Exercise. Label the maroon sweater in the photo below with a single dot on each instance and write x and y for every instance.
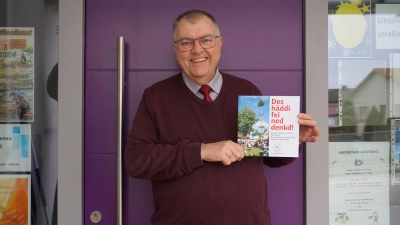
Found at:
(164, 146)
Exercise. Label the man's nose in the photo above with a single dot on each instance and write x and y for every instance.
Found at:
(197, 47)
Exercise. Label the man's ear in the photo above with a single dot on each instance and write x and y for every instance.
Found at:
(220, 43)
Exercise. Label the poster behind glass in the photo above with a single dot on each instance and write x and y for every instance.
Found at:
(359, 183)
(15, 147)
(364, 108)
(15, 199)
(16, 74)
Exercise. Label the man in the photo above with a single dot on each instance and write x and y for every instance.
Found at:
(187, 146)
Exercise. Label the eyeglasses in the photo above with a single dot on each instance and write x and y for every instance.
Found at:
(186, 44)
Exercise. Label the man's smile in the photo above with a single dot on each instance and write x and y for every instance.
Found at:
(198, 60)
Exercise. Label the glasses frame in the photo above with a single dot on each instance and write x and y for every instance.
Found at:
(194, 39)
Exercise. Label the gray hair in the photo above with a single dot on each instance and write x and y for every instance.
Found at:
(193, 16)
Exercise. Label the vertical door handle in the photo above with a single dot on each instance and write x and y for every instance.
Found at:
(121, 54)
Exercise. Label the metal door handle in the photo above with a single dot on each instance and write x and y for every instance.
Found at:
(121, 54)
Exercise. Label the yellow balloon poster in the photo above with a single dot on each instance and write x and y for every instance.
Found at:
(349, 29)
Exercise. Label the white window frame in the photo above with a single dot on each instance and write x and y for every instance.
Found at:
(70, 112)
(316, 104)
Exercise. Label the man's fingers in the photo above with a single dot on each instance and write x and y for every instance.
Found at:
(225, 152)
(238, 152)
(309, 129)
(317, 131)
(310, 123)
(312, 139)
(305, 116)
(306, 119)
(232, 157)
(233, 152)
(226, 160)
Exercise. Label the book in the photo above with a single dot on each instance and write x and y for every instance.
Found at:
(268, 125)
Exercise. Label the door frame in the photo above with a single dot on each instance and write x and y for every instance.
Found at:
(70, 112)
(316, 93)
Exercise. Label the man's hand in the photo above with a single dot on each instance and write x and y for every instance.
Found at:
(225, 152)
(309, 130)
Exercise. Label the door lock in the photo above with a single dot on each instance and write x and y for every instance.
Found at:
(95, 217)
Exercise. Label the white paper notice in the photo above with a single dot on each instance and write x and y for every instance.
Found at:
(15, 147)
(359, 183)
(387, 26)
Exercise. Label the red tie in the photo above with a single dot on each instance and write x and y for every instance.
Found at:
(205, 90)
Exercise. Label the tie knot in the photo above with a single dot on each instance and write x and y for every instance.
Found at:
(205, 90)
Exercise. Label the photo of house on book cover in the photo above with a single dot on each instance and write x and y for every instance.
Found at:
(268, 125)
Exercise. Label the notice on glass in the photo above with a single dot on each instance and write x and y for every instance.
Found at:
(16, 74)
(15, 199)
(349, 29)
(15, 147)
(387, 26)
(268, 125)
(359, 183)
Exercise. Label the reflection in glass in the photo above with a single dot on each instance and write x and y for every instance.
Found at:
(32, 107)
(364, 107)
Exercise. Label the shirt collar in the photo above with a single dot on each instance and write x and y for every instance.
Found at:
(215, 83)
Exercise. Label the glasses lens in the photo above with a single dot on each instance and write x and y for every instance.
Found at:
(207, 41)
(185, 44)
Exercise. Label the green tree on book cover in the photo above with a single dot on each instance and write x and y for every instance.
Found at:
(246, 120)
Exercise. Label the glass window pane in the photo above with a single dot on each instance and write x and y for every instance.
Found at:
(28, 111)
(364, 113)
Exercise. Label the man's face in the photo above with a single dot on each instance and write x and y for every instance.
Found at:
(199, 64)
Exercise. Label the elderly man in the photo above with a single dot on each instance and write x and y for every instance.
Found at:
(184, 134)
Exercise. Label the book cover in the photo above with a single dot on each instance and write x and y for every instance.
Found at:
(268, 125)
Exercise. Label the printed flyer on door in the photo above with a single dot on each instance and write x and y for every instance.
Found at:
(16, 74)
(359, 183)
(15, 147)
(15, 199)
(268, 125)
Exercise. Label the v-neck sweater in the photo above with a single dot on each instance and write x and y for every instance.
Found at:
(164, 145)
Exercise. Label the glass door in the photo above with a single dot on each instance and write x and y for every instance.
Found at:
(28, 111)
(364, 111)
